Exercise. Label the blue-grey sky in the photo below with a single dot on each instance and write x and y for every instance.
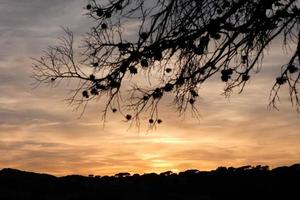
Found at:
(39, 132)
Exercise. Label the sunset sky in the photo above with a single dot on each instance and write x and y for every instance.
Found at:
(39, 132)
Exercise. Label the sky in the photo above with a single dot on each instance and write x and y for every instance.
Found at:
(39, 132)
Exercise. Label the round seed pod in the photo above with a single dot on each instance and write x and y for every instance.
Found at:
(180, 81)
(89, 7)
(192, 101)
(94, 91)
(199, 50)
(104, 26)
(292, 68)
(144, 35)
(158, 56)
(144, 63)
(225, 78)
(194, 93)
(85, 94)
(92, 77)
(157, 93)
(115, 84)
(168, 87)
(133, 70)
(168, 70)
(128, 117)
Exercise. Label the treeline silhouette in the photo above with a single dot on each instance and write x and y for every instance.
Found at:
(245, 182)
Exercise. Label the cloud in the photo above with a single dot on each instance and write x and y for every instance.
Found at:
(25, 15)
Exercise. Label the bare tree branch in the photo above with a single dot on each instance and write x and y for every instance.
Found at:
(174, 46)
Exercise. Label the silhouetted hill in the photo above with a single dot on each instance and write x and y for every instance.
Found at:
(223, 183)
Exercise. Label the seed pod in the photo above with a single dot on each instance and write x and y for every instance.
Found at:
(227, 72)
(115, 84)
(157, 93)
(180, 81)
(145, 98)
(85, 94)
(89, 7)
(124, 66)
(92, 77)
(281, 80)
(199, 50)
(133, 70)
(202, 71)
(144, 63)
(292, 68)
(225, 78)
(135, 56)
(194, 93)
(94, 91)
(192, 101)
(158, 56)
(168, 87)
(168, 70)
(104, 26)
(128, 117)
(144, 35)
(100, 87)
(224, 72)
(245, 77)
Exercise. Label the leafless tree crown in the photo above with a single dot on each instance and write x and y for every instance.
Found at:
(172, 46)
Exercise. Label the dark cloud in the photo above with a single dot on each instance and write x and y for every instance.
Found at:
(17, 15)
(27, 27)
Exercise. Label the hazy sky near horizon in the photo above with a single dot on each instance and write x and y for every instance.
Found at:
(39, 132)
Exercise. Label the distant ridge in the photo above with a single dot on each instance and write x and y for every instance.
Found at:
(244, 182)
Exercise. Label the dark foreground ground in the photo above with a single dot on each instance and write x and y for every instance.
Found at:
(224, 183)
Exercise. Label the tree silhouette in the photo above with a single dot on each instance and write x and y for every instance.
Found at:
(172, 46)
(247, 182)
